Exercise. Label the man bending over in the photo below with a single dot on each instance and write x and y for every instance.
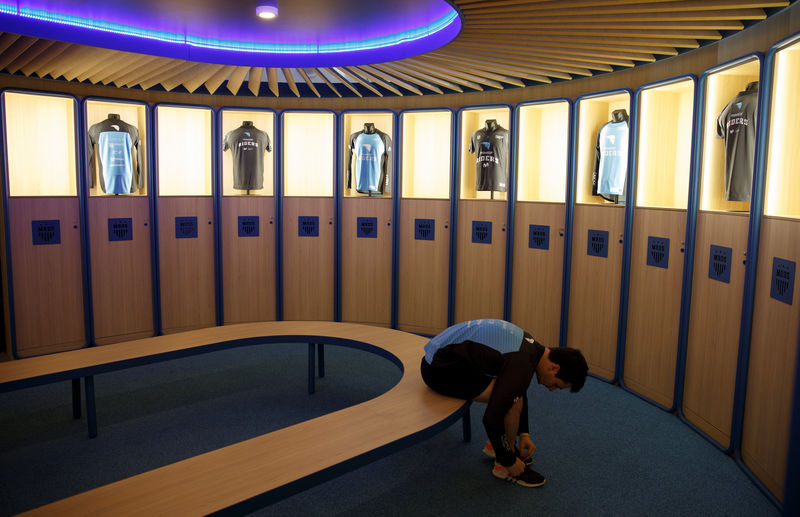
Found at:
(494, 361)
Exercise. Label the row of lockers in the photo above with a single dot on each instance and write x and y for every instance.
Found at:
(683, 299)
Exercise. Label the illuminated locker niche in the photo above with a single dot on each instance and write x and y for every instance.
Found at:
(665, 145)
(263, 121)
(51, 119)
(426, 158)
(769, 397)
(128, 113)
(542, 146)
(543, 152)
(782, 196)
(473, 120)
(718, 280)
(424, 233)
(721, 88)
(593, 114)
(184, 151)
(308, 140)
(367, 122)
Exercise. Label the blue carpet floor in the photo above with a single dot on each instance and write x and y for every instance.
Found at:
(604, 451)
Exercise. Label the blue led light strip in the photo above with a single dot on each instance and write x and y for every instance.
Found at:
(236, 46)
(88, 23)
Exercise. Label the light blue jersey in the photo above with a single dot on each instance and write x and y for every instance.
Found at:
(498, 334)
(613, 167)
(116, 171)
(115, 156)
(369, 150)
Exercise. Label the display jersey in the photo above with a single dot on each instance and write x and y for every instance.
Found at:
(737, 125)
(490, 146)
(116, 141)
(372, 150)
(247, 144)
(611, 161)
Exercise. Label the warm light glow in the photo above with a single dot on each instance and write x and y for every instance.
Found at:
(267, 11)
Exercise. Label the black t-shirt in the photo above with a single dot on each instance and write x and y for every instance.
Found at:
(248, 145)
(490, 146)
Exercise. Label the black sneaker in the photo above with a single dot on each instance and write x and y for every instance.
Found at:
(489, 451)
(528, 478)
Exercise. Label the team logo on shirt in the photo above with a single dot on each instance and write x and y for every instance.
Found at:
(612, 139)
(486, 145)
(116, 127)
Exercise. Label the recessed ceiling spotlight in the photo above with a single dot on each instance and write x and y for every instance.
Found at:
(267, 9)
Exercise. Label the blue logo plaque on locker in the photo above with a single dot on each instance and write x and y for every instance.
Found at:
(539, 237)
(120, 229)
(367, 227)
(248, 226)
(481, 232)
(308, 225)
(719, 263)
(424, 229)
(597, 243)
(46, 232)
(658, 252)
(782, 288)
(186, 227)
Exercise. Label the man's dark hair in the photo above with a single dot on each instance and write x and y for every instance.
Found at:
(572, 366)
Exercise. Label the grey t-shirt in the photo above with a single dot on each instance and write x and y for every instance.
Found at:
(737, 125)
(247, 145)
(490, 146)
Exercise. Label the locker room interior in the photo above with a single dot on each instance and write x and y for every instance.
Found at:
(678, 295)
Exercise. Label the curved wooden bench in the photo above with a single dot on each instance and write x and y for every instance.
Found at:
(250, 474)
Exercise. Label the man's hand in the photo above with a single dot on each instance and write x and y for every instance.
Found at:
(526, 447)
(517, 468)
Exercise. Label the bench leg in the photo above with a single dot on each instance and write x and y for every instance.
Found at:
(321, 359)
(76, 398)
(91, 414)
(311, 369)
(466, 423)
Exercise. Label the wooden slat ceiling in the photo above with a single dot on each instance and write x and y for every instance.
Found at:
(503, 43)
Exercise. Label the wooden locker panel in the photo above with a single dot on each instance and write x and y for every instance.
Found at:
(308, 261)
(47, 279)
(654, 306)
(594, 288)
(248, 260)
(712, 348)
(538, 273)
(423, 267)
(773, 349)
(480, 267)
(367, 261)
(187, 274)
(122, 273)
